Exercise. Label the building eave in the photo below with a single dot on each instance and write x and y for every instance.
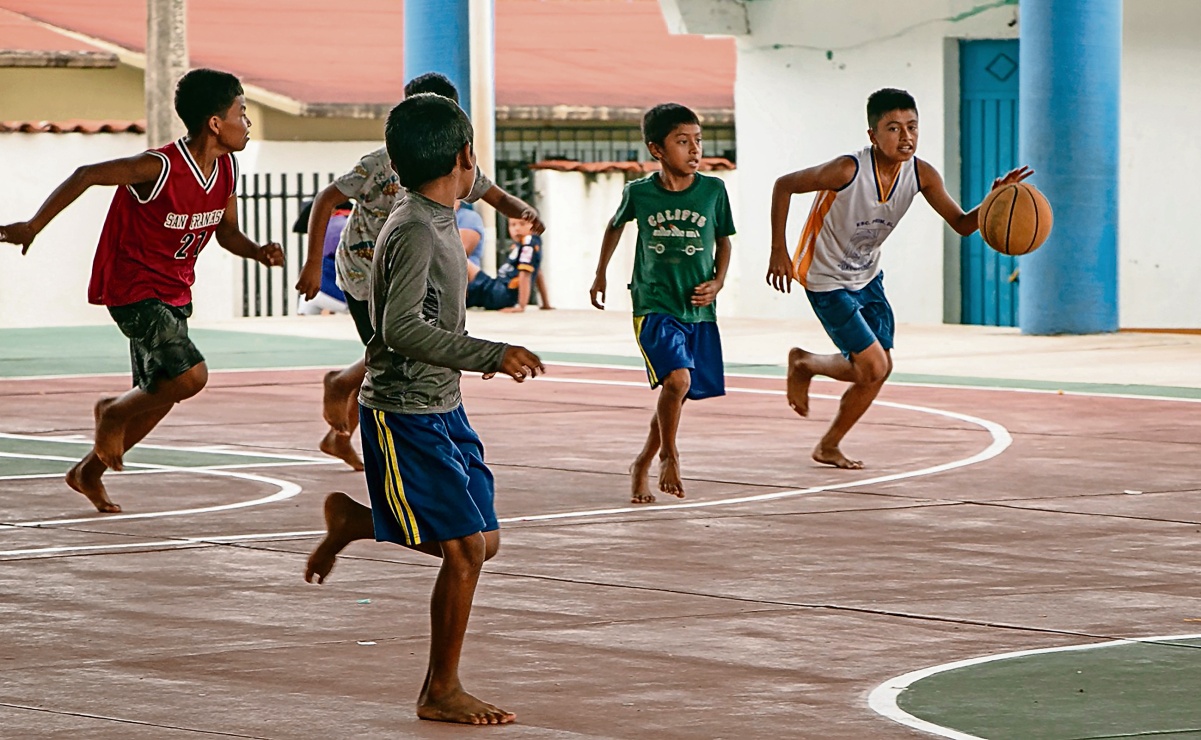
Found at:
(58, 59)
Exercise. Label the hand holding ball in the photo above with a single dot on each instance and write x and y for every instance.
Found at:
(1015, 218)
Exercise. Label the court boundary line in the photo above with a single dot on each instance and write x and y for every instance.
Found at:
(602, 366)
(1000, 441)
(883, 698)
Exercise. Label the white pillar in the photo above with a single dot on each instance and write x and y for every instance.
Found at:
(166, 62)
(483, 111)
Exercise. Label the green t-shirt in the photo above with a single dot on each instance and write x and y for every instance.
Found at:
(677, 243)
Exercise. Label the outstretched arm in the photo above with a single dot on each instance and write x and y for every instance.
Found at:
(514, 207)
(142, 169)
(944, 205)
(230, 237)
(309, 282)
(608, 247)
(833, 175)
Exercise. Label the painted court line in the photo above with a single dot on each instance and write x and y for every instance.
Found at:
(256, 466)
(568, 363)
(287, 490)
(1000, 440)
(919, 384)
(883, 699)
(77, 439)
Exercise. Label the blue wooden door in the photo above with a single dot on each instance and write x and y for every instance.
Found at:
(988, 130)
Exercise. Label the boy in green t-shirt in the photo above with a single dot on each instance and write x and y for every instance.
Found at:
(684, 228)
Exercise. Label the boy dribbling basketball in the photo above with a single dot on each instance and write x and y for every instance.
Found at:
(861, 198)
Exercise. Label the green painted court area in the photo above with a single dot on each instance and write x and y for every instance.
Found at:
(1125, 690)
(93, 350)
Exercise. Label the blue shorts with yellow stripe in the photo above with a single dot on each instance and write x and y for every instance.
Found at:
(669, 344)
(426, 476)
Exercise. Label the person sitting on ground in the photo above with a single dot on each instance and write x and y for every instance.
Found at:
(510, 290)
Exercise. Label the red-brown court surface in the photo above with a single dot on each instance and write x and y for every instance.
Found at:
(764, 618)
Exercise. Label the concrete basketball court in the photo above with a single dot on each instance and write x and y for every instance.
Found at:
(1022, 494)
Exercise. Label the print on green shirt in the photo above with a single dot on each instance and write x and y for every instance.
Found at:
(677, 243)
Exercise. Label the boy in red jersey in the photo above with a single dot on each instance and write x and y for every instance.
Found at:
(169, 203)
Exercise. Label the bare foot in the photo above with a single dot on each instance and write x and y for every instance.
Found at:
(669, 476)
(337, 444)
(92, 488)
(833, 456)
(463, 708)
(109, 442)
(798, 381)
(640, 487)
(340, 509)
(333, 406)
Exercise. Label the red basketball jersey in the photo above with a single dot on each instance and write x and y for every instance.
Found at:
(148, 247)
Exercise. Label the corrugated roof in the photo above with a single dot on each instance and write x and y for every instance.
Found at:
(549, 53)
(708, 164)
(73, 127)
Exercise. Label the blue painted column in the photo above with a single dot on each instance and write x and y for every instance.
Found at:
(1070, 67)
(437, 39)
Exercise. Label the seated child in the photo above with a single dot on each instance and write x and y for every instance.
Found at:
(509, 291)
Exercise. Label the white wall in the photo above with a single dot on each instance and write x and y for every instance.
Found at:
(288, 157)
(576, 209)
(48, 287)
(804, 74)
(1159, 256)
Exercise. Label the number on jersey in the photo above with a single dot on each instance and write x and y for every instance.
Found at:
(198, 238)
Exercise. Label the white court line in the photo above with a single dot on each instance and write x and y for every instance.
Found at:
(287, 490)
(883, 698)
(36, 476)
(932, 384)
(1001, 440)
(568, 363)
(76, 439)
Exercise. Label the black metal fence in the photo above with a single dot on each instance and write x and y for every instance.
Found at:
(269, 206)
(271, 203)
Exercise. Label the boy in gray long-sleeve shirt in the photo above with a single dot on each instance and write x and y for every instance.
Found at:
(430, 489)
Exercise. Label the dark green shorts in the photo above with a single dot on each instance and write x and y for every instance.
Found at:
(159, 347)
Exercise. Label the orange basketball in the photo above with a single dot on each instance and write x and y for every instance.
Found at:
(1015, 219)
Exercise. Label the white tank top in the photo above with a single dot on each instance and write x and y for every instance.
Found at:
(840, 245)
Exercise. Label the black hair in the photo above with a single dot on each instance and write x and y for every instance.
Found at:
(888, 99)
(425, 134)
(202, 94)
(658, 122)
(432, 82)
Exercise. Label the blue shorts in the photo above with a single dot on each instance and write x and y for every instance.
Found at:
(426, 476)
(855, 319)
(490, 293)
(669, 344)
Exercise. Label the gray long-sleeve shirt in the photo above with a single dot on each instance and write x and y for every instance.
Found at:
(417, 301)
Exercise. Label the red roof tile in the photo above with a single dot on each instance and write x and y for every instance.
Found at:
(586, 53)
(708, 164)
(73, 127)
